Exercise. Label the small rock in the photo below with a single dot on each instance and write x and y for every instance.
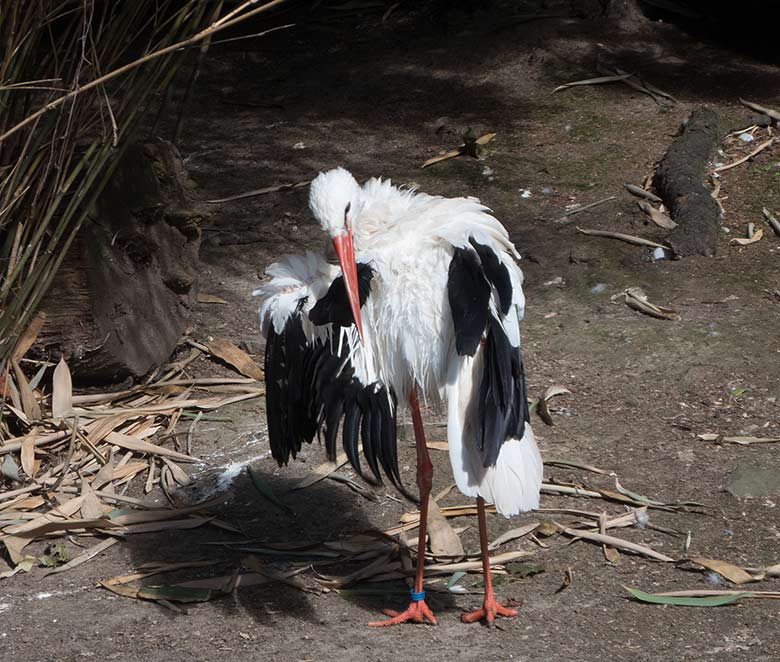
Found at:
(746, 137)
(598, 288)
(660, 254)
(299, 146)
(748, 480)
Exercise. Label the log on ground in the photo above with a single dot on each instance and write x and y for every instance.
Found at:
(679, 180)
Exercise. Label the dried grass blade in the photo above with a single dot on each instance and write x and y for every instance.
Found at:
(755, 152)
(773, 222)
(615, 542)
(769, 112)
(140, 446)
(451, 154)
(260, 191)
(631, 239)
(321, 471)
(599, 80)
(474, 566)
(564, 218)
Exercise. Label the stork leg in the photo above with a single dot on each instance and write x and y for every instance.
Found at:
(417, 611)
(490, 607)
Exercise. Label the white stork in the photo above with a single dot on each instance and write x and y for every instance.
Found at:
(427, 300)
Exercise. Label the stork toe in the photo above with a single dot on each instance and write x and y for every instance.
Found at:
(488, 612)
(416, 612)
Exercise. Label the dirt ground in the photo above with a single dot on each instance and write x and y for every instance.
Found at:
(379, 99)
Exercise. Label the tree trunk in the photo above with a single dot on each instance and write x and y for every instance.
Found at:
(125, 291)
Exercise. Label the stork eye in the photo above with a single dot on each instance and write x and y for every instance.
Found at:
(346, 215)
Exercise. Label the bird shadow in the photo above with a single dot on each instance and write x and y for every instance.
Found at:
(321, 512)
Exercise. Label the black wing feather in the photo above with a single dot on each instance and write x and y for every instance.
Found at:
(496, 273)
(502, 408)
(334, 306)
(468, 292)
(311, 388)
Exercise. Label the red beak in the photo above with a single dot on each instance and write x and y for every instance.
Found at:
(345, 250)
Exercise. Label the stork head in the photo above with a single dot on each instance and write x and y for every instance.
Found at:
(334, 199)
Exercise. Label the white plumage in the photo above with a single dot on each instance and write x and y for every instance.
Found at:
(434, 309)
(409, 239)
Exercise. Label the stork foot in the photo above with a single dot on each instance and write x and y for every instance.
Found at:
(488, 612)
(416, 612)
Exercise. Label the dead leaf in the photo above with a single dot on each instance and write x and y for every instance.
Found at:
(656, 216)
(733, 573)
(62, 391)
(541, 406)
(568, 579)
(513, 534)
(443, 540)
(744, 241)
(179, 475)
(471, 147)
(438, 445)
(28, 455)
(91, 508)
(27, 339)
(642, 193)
(237, 358)
(210, 298)
(635, 298)
(29, 402)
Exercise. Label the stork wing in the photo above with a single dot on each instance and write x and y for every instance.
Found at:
(317, 372)
(486, 300)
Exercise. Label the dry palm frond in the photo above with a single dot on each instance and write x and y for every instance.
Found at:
(75, 79)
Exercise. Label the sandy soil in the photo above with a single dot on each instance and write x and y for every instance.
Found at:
(380, 99)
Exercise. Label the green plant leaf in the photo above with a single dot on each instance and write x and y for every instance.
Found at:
(686, 601)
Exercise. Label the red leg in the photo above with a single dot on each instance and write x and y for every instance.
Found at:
(490, 607)
(417, 611)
